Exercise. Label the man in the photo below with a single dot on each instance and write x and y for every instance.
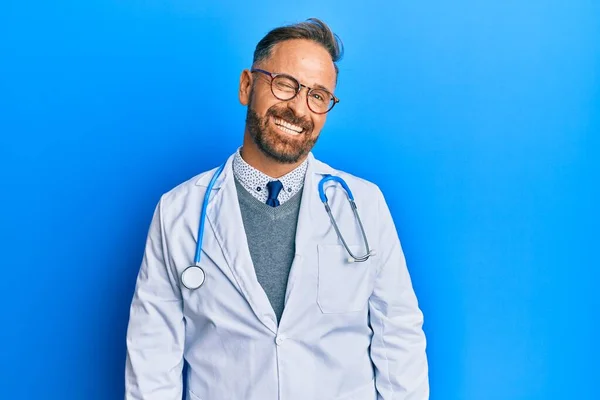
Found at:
(280, 312)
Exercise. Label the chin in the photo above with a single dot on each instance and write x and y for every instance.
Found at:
(282, 153)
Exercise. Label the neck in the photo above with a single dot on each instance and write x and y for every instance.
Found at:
(257, 159)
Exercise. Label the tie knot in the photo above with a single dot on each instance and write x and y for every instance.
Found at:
(274, 188)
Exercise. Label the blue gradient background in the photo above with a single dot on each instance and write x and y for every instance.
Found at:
(479, 120)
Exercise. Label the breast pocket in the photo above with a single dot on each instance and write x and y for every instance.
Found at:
(344, 287)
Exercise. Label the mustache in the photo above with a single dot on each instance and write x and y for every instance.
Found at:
(289, 116)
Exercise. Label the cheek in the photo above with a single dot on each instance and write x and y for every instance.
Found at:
(261, 103)
(319, 122)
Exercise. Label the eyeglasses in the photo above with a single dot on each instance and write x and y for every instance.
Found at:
(286, 87)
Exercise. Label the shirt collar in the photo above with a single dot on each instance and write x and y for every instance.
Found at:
(255, 181)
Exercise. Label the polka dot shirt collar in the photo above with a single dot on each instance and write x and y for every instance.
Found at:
(255, 182)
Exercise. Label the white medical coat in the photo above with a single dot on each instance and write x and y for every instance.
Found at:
(350, 331)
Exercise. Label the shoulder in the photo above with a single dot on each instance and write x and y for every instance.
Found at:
(356, 183)
(187, 191)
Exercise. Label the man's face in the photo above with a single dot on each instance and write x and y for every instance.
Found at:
(286, 131)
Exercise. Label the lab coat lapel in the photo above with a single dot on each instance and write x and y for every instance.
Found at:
(311, 208)
(225, 219)
(312, 226)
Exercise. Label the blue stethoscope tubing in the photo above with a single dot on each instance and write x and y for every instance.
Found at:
(323, 197)
(194, 276)
(203, 215)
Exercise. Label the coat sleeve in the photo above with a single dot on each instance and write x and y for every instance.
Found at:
(155, 333)
(398, 342)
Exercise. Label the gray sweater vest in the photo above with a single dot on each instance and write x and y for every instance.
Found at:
(271, 234)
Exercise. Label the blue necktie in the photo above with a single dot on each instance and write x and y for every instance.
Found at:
(274, 188)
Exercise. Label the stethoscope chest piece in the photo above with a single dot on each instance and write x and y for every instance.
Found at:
(193, 277)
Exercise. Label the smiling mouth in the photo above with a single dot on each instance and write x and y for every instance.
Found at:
(286, 127)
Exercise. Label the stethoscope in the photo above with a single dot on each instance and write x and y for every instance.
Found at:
(194, 276)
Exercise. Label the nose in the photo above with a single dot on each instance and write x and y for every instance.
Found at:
(299, 103)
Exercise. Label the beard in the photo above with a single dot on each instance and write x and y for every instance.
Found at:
(284, 149)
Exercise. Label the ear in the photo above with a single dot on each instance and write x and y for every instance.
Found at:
(245, 87)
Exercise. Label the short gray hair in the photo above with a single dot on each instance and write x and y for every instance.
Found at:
(312, 29)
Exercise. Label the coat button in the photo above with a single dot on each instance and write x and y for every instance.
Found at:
(279, 339)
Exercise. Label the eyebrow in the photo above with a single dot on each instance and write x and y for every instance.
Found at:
(319, 86)
(315, 86)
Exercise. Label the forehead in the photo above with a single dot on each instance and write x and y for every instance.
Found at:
(306, 60)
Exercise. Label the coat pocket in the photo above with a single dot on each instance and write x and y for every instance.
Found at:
(344, 287)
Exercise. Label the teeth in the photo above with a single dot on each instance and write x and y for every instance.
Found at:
(288, 127)
(288, 130)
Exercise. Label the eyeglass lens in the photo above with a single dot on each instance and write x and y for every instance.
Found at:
(285, 88)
